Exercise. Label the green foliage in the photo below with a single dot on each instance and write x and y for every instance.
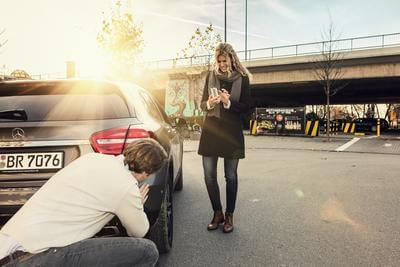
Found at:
(120, 37)
(201, 43)
(20, 74)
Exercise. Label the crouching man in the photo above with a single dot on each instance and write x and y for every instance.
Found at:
(55, 226)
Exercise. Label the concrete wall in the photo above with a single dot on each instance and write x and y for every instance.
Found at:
(353, 72)
(371, 63)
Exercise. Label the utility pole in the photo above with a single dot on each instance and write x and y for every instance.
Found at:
(245, 34)
(225, 24)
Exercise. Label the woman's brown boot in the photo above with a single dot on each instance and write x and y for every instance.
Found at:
(228, 225)
(217, 219)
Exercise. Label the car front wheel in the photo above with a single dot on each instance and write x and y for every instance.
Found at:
(162, 231)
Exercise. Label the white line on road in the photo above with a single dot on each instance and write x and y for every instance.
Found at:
(348, 144)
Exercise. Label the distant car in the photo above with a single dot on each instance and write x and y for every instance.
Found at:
(370, 125)
(45, 125)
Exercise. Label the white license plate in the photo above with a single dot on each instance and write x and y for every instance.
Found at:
(14, 162)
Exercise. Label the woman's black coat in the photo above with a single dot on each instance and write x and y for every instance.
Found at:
(223, 137)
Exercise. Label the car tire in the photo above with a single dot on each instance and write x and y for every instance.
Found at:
(162, 231)
(179, 182)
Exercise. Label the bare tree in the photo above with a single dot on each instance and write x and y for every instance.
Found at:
(328, 68)
(388, 109)
(357, 109)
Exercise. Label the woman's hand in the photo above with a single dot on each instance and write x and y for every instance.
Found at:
(213, 100)
(224, 96)
(144, 190)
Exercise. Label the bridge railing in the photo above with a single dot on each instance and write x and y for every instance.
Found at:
(340, 45)
(49, 76)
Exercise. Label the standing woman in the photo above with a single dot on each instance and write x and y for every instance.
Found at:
(222, 133)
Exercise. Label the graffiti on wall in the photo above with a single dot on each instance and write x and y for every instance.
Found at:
(183, 97)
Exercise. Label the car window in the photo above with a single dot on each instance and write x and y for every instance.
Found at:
(66, 102)
(151, 107)
(164, 116)
(161, 110)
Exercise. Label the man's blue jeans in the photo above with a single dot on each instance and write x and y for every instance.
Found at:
(113, 251)
(231, 178)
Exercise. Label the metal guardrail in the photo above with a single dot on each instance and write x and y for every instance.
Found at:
(340, 45)
(49, 76)
(45, 76)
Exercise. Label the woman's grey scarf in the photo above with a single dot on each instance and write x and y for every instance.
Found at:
(214, 81)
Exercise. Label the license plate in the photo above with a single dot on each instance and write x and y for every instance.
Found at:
(14, 162)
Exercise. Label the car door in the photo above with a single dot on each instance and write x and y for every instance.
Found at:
(169, 134)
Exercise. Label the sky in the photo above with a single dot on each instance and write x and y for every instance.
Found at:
(42, 35)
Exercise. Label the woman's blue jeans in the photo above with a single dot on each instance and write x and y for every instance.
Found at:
(231, 178)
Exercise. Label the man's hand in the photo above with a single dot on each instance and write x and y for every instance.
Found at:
(144, 190)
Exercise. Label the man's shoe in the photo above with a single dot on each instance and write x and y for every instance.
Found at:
(217, 219)
(228, 225)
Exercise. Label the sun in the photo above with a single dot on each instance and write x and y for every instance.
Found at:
(92, 64)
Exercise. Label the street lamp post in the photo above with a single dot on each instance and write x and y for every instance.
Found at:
(245, 34)
(225, 23)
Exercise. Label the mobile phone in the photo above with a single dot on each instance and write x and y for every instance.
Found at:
(214, 91)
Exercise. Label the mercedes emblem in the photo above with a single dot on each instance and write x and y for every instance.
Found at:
(18, 134)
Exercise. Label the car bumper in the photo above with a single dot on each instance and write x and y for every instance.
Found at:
(12, 199)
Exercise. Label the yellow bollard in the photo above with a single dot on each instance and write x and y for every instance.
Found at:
(378, 128)
(315, 128)
(308, 125)
(346, 127)
(353, 127)
(254, 128)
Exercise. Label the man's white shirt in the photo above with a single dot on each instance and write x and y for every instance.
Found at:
(75, 204)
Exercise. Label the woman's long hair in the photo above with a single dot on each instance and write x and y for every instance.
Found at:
(234, 63)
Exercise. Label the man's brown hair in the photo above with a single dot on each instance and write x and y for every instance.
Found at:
(144, 155)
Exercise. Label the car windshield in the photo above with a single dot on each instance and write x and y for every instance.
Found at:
(64, 101)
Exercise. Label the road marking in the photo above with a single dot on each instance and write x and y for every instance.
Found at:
(347, 145)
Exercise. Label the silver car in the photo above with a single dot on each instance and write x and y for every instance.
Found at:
(45, 125)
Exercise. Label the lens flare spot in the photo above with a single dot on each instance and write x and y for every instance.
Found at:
(299, 193)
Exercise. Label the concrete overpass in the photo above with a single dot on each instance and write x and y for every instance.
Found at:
(372, 76)
(283, 76)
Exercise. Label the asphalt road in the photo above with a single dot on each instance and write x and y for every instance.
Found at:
(294, 208)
